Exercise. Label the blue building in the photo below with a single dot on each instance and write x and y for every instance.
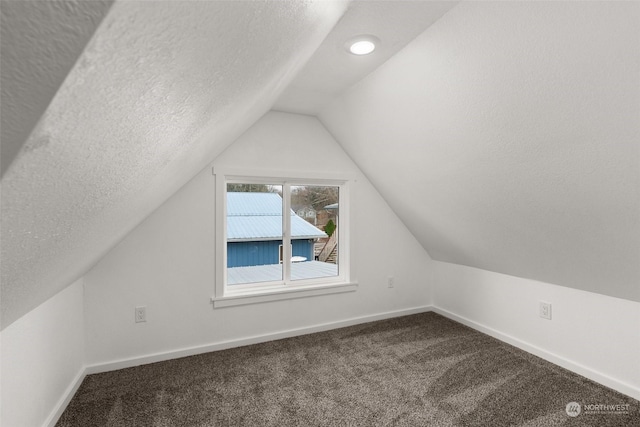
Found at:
(254, 231)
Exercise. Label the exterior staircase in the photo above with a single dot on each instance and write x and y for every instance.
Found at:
(329, 252)
(333, 256)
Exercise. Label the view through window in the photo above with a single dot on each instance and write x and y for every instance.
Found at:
(259, 251)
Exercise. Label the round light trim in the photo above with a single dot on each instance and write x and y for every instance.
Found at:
(361, 45)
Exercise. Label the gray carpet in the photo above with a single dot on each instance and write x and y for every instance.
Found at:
(420, 370)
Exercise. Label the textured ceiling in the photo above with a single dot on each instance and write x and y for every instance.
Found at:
(331, 70)
(507, 137)
(36, 58)
(159, 91)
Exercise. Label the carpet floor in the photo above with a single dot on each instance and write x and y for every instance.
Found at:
(419, 370)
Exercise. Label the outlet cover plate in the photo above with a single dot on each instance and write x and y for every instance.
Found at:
(141, 314)
(545, 310)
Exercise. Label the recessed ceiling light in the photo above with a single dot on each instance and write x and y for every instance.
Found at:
(362, 45)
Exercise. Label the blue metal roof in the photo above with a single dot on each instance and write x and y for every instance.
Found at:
(258, 216)
(253, 204)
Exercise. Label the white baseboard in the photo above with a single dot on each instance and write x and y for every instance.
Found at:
(192, 351)
(572, 366)
(66, 398)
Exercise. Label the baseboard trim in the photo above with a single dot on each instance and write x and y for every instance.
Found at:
(572, 366)
(256, 339)
(66, 398)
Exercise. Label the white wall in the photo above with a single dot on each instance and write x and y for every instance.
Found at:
(42, 359)
(167, 263)
(594, 335)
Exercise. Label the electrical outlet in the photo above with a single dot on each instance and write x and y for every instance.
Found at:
(141, 314)
(545, 310)
(391, 282)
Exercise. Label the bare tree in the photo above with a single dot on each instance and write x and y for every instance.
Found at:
(315, 196)
(251, 188)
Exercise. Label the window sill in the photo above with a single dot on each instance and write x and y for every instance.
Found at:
(281, 294)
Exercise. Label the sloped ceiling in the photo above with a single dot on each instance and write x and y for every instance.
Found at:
(40, 42)
(507, 138)
(160, 89)
(331, 71)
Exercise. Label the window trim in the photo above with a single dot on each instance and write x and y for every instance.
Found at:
(273, 291)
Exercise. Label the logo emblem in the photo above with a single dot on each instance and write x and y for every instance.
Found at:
(573, 409)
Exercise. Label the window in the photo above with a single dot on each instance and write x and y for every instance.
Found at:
(280, 238)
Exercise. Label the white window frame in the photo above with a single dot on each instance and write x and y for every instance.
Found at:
(252, 293)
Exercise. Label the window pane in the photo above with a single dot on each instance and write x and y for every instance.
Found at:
(254, 233)
(314, 231)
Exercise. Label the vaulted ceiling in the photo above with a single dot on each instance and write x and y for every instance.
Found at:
(109, 108)
(507, 138)
(505, 135)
